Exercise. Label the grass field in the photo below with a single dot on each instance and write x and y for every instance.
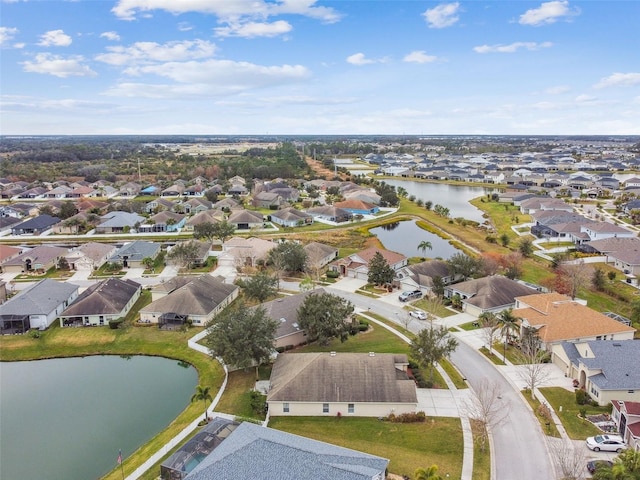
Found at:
(576, 427)
(408, 446)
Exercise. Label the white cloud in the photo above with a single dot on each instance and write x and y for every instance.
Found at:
(585, 99)
(360, 59)
(511, 48)
(254, 29)
(147, 52)
(619, 80)
(419, 56)
(55, 38)
(557, 90)
(443, 15)
(227, 10)
(184, 27)
(113, 36)
(208, 78)
(58, 66)
(7, 34)
(547, 13)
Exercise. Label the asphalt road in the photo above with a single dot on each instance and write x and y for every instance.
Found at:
(519, 446)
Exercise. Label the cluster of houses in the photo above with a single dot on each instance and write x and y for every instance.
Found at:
(181, 209)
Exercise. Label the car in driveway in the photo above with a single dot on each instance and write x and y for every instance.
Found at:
(594, 465)
(419, 314)
(410, 295)
(606, 443)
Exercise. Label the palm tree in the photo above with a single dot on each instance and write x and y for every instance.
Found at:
(424, 246)
(202, 393)
(430, 473)
(508, 325)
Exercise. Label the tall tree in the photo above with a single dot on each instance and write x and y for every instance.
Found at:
(486, 410)
(431, 345)
(430, 473)
(508, 326)
(260, 287)
(533, 358)
(291, 256)
(184, 254)
(242, 336)
(211, 231)
(626, 466)
(380, 272)
(525, 247)
(490, 328)
(202, 394)
(575, 276)
(325, 316)
(464, 265)
(425, 245)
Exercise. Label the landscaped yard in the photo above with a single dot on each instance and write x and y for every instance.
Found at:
(576, 427)
(409, 446)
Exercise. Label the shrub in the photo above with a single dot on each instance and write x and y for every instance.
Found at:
(115, 324)
(581, 397)
(583, 412)
(33, 333)
(333, 274)
(417, 417)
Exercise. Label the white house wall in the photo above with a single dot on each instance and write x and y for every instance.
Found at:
(297, 409)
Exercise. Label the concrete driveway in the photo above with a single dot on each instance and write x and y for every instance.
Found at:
(442, 403)
(349, 284)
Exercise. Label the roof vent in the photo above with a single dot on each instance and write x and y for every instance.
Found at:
(617, 344)
(372, 354)
(283, 320)
(333, 354)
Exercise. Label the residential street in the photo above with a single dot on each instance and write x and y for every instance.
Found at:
(519, 447)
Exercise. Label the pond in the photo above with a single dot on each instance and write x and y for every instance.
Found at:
(66, 419)
(455, 197)
(404, 237)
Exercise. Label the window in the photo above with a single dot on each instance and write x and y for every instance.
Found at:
(351, 408)
(325, 408)
(285, 407)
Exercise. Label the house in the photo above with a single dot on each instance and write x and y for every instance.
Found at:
(557, 318)
(163, 289)
(624, 253)
(131, 255)
(285, 311)
(163, 222)
(246, 219)
(35, 226)
(238, 252)
(356, 265)
(626, 416)
(319, 255)
(227, 204)
(238, 189)
(102, 302)
(173, 191)
(90, 256)
(253, 452)
(357, 207)
(290, 217)
(200, 254)
(8, 253)
(421, 275)
(3, 292)
(37, 306)
(493, 293)
(196, 205)
(208, 216)
(38, 259)
(197, 301)
(268, 200)
(606, 369)
(118, 222)
(130, 189)
(160, 204)
(7, 223)
(328, 213)
(602, 230)
(352, 384)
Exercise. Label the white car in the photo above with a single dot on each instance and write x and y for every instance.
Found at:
(606, 443)
(419, 314)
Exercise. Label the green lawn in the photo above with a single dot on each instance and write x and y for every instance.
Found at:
(576, 427)
(534, 403)
(481, 460)
(408, 446)
(453, 373)
(492, 356)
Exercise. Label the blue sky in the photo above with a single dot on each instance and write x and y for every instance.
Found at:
(319, 67)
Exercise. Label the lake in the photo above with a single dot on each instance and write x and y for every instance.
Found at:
(404, 237)
(66, 419)
(455, 197)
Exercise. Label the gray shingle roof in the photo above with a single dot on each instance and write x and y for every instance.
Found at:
(285, 311)
(492, 292)
(256, 453)
(198, 297)
(617, 359)
(109, 296)
(39, 299)
(136, 251)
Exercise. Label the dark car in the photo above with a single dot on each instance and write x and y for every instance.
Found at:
(412, 295)
(593, 465)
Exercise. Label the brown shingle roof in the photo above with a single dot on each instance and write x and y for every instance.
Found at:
(343, 377)
(557, 318)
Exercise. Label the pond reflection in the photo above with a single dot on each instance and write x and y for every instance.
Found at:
(404, 237)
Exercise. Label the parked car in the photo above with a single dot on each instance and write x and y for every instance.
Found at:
(593, 465)
(419, 314)
(412, 295)
(606, 443)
